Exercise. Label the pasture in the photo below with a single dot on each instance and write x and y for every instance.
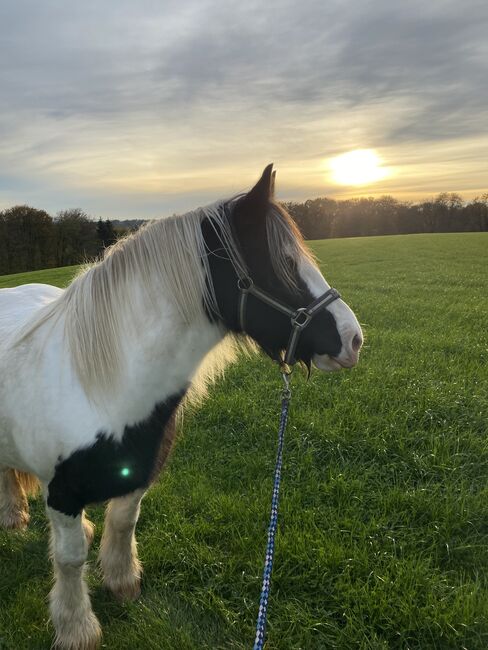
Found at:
(383, 531)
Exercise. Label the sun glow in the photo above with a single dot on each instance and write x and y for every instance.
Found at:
(358, 167)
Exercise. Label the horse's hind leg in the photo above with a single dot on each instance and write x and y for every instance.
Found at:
(75, 623)
(14, 510)
(88, 527)
(118, 550)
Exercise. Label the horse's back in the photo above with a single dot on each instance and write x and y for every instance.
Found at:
(19, 304)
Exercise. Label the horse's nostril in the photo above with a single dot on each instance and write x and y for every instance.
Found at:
(356, 343)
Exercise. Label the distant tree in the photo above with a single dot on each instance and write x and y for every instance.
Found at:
(315, 217)
(106, 233)
(476, 217)
(449, 200)
(76, 237)
(26, 239)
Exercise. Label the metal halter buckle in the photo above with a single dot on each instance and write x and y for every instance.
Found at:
(244, 283)
(301, 318)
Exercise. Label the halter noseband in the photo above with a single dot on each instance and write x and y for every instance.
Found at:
(299, 318)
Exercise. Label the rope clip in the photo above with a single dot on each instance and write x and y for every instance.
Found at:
(286, 374)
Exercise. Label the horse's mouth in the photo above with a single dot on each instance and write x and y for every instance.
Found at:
(326, 363)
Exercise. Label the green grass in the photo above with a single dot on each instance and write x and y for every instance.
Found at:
(59, 277)
(383, 531)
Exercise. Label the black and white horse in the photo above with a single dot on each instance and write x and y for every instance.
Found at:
(91, 377)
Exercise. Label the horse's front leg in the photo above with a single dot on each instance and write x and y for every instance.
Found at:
(118, 549)
(75, 623)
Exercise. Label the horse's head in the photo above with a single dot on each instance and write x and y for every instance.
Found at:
(272, 256)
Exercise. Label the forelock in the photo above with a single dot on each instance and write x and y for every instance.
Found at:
(286, 245)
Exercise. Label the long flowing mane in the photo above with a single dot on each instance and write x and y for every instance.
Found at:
(169, 255)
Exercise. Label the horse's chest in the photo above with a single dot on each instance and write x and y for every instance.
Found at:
(110, 468)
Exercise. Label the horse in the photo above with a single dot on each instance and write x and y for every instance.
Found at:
(93, 377)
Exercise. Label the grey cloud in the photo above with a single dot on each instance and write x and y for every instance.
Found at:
(430, 55)
(312, 54)
(105, 59)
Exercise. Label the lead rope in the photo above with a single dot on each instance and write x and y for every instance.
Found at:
(273, 522)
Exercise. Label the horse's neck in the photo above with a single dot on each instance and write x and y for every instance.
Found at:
(161, 355)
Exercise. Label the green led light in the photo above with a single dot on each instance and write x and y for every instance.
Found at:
(125, 471)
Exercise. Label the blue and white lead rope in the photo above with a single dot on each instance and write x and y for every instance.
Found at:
(268, 564)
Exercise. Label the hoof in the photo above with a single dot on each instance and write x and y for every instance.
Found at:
(14, 519)
(124, 591)
(78, 634)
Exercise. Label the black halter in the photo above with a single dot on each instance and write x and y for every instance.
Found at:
(299, 318)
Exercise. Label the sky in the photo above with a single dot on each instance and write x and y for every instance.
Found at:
(150, 107)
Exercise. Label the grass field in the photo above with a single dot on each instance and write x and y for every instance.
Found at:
(59, 277)
(383, 533)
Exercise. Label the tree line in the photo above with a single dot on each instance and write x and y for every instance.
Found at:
(31, 239)
(325, 218)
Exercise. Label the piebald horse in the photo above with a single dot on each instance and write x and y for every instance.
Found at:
(92, 377)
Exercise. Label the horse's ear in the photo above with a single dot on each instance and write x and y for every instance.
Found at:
(261, 192)
(273, 180)
(255, 203)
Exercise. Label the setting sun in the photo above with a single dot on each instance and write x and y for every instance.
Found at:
(358, 167)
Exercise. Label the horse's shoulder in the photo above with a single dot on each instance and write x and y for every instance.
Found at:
(19, 304)
(28, 297)
(33, 292)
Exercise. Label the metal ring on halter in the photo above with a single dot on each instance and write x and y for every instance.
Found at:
(245, 283)
(301, 318)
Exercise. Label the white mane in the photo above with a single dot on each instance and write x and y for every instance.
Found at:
(167, 255)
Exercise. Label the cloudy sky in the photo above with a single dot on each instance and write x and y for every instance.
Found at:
(147, 107)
